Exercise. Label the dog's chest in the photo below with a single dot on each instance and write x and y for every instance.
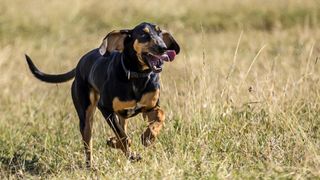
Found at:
(132, 107)
(130, 110)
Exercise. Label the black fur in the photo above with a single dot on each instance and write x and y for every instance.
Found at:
(57, 78)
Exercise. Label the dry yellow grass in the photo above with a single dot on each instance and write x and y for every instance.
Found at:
(242, 99)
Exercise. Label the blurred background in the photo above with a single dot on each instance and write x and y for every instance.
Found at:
(241, 99)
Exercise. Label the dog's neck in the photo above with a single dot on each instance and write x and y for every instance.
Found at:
(131, 61)
(129, 66)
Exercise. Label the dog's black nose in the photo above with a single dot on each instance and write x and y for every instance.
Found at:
(161, 48)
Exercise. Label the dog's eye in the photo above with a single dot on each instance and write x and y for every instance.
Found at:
(145, 35)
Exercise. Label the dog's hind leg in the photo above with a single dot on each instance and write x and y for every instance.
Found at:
(85, 101)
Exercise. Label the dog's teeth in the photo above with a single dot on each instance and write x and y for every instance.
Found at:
(156, 68)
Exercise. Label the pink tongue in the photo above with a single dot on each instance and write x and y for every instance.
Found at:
(171, 54)
(168, 55)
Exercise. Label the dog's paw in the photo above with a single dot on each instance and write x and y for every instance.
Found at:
(115, 143)
(147, 138)
(134, 157)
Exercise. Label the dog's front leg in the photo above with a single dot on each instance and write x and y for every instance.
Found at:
(156, 119)
(122, 137)
(113, 141)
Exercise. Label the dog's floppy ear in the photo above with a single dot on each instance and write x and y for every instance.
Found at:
(114, 41)
(170, 42)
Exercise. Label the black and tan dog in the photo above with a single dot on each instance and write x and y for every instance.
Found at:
(121, 78)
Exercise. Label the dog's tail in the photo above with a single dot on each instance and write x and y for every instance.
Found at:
(50, 78)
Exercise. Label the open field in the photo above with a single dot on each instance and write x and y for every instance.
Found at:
(242, 100)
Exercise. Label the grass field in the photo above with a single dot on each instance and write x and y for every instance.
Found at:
(242, 100)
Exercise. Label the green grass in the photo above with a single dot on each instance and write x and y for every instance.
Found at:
(242, 100)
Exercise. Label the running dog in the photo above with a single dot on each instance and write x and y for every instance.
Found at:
(121, 78)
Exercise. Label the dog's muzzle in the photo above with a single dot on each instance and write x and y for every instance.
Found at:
(156, 62)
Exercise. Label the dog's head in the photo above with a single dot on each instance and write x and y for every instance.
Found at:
(151, 45)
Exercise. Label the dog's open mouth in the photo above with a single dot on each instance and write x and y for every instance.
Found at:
(155, 62)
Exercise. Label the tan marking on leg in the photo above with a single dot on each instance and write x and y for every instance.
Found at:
(150, 99)
(156, 119)
(122, 141)
(94, 97)
(127, 142)
(87, 131)
(123, 123)
(114, 142)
